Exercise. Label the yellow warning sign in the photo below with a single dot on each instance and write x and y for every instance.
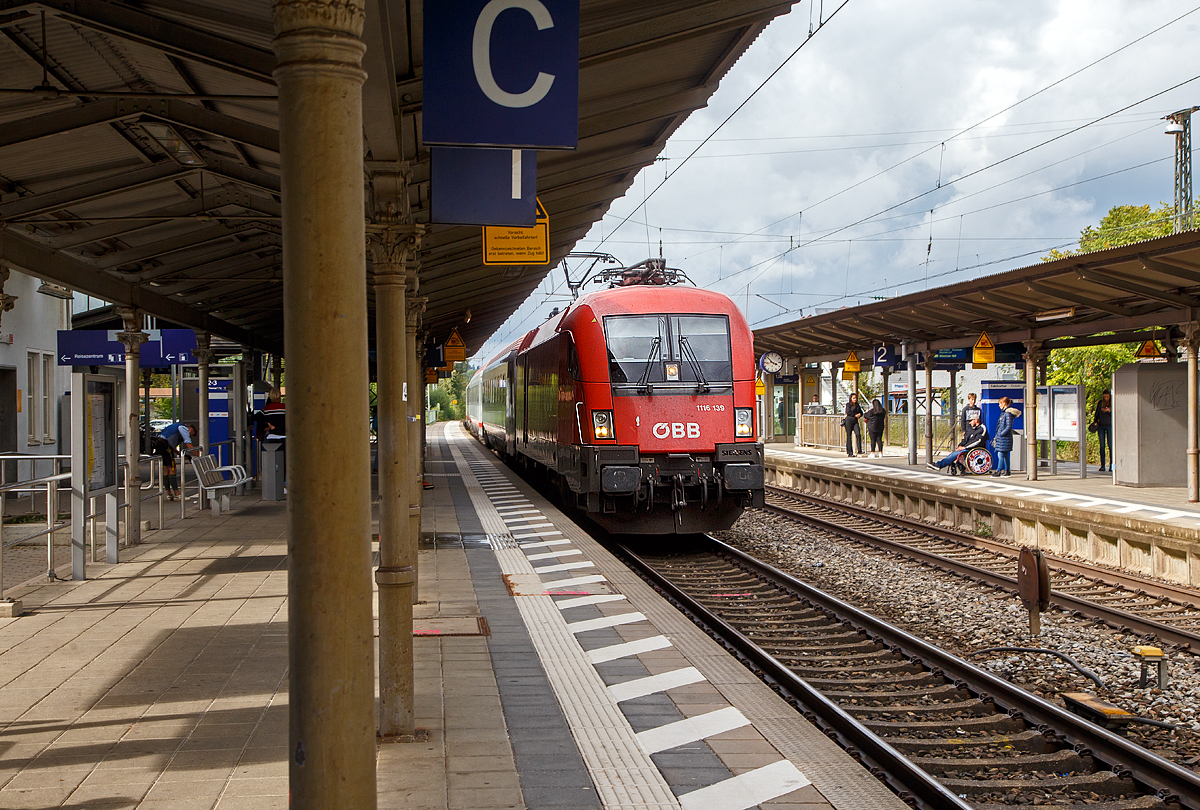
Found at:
(456, 350)
(760, 387)
(505, 245)
(1148, 351)
(431, 376)
(810, 381)
(984, 350)
(851, 365)
(847, 374)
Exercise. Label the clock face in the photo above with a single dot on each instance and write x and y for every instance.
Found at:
(771, 362)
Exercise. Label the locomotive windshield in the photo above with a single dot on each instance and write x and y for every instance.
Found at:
(691, 350)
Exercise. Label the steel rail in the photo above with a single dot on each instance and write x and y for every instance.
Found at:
(1112, 616)
(1158, 776)
(1150, 587)
(885, 762)
(1162, 776)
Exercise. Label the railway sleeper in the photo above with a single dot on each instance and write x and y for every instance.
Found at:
(970, 707)
(944, 690)
(825, 650)
(915, 678)
(1029, 740)
(805, 640)
(995, 723)
(834, 660)
(889, 669)
(1059, 761)
(1135, 803)
(1102, 783)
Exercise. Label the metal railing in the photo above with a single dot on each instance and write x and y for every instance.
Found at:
(34, 485)
(825, 430)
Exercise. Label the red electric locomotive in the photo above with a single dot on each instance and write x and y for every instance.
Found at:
(637, 400)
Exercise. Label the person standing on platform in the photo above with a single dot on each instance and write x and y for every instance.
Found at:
(1003, 441)
(170, 473)
(854, 412)
(1102, 419)
(970, 411)
(876, 417)
(781, 412)
(178, 435)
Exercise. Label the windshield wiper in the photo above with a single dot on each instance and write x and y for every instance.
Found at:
(690, 355)
(643, 384)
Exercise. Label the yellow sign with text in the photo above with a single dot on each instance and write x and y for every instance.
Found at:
(852, 365)
(507, 245)
(455, 349)
(984, 350)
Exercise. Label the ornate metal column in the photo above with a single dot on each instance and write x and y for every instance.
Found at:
(929, 364)
(393, 240)
(204, 356)
(1191, 341)
(1033, 356)
(132, 337)
(330, 628)
(414, 308)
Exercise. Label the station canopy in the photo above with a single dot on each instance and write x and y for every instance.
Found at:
(1071, 301)
(139, 148)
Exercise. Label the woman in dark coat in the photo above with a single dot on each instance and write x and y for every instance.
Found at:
(1003, 442)
(854, 412)
(1102, 419)
(876, 416)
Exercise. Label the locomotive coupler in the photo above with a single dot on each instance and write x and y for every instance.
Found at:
(678, 497)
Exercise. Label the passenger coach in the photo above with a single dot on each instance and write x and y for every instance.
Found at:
(637, 401)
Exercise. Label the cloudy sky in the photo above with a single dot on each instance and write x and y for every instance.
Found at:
(907, 145)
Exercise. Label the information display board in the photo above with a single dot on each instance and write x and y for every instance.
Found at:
(100, 435)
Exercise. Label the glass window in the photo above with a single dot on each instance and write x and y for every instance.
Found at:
(49, 389)
(702, 341)
(33, 398)
(634, 341)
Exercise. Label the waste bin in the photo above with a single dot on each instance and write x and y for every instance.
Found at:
(274, 470)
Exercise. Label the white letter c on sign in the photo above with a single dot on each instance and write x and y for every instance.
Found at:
(481, 55)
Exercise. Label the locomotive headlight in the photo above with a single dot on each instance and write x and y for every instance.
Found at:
(743, 421)
(602, 424)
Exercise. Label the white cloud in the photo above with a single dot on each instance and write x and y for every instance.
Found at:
(886, 81)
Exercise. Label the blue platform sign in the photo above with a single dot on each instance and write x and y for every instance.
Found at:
(501, 73)
(484, 186)
(99, 347)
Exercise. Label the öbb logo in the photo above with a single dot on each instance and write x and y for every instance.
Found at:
(676, 430)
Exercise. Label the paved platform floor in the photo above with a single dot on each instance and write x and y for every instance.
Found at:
(547, 675)
(1165, 504)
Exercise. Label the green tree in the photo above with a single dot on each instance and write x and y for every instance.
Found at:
(439, 400)
(1122, 225)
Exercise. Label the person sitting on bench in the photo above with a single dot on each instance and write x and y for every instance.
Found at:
(976, 436)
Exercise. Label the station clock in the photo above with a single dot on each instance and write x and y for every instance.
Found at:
(771, 362)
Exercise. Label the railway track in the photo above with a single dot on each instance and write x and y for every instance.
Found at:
(1129, 603)
(940, 731)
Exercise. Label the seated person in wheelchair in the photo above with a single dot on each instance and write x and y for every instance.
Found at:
(975, 436)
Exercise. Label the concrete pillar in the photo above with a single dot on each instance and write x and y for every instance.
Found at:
(954, 407)
(1192, 342)
(145, 435)
(912, 406)
(929, 407)
(414, 308)
(331, 693)
(132, 337)
(204, 356)
(887, 420)
(1033, 354)
(392, 242)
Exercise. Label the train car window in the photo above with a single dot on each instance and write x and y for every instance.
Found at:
(703, 339)
(633, 342)
(572, 359)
